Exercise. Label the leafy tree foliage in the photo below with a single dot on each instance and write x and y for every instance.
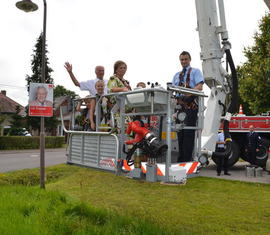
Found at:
(254, 75)
(62, 91)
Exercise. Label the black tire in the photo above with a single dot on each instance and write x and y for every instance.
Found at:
(244, 154)
(262, 155)
(234, 156)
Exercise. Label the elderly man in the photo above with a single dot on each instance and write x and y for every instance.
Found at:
(41, 95)
(88, 85)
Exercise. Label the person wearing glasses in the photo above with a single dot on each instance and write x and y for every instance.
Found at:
(89, 85)
(40, 98)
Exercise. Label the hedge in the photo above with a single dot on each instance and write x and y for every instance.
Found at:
(30, 142)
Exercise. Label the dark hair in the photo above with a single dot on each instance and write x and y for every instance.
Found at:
(117, 64)
(185, 53)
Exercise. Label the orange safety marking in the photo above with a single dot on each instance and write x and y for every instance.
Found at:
(192, 168)
(159, 172)
(143, 170)
(126, 166)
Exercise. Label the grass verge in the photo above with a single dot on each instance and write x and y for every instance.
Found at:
(202, 206)
(30, 210)
(87, 201)
(30, 177)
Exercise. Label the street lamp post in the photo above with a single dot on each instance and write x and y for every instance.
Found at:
(29, 6)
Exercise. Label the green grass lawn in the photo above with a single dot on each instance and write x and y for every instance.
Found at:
(126, 206)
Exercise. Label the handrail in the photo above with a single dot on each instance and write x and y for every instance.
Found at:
(81, 132)
(141, 90)
(185, 90)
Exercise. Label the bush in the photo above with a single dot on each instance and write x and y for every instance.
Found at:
(30, 142)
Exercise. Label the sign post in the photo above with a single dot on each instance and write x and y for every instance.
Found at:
(29, 6)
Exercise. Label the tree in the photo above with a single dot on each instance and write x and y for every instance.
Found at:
(2, 119)
(17, 123)
(62, 91)
(36, 64)
(254, 75)
(2, 116)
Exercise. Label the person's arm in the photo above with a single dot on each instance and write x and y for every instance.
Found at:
(119, 89)
(221, 142)
(114, 85)
(78, 107)
(199, 80)
(91, 113)
(68, 67)
(199, 86)
(258, 142)
(175, 80)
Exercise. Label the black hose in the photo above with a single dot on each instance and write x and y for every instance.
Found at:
(234, 99)
(223, 106)
(160, 128)
(232, 108)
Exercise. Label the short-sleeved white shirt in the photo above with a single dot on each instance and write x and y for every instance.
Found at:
(89, 85)
(220, 138)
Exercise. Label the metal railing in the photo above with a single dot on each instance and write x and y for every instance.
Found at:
(151, 102)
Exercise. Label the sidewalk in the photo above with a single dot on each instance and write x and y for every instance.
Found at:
(238, 172)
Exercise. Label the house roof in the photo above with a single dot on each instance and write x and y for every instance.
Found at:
(8, 105)
(59, 100)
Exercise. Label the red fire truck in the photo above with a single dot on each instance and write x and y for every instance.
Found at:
(239, 127)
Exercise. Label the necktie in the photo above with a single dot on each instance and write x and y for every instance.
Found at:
(181, 77)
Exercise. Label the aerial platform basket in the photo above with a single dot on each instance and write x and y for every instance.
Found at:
(104, 150)
(93, 149)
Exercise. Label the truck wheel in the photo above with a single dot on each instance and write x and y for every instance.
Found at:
(234, 156)
(244, 154)
(262, 156)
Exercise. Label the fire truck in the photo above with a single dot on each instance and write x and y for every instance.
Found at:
(239, 127)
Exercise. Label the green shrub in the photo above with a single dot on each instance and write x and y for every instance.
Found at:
(30, 142)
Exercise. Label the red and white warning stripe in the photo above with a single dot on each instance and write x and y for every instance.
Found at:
(190, 167)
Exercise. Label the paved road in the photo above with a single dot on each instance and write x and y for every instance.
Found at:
(21, 159)
(238, 172)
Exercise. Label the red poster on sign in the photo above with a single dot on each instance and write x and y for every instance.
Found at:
(41, 100)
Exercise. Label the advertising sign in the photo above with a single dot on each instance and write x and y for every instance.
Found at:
(41, 100)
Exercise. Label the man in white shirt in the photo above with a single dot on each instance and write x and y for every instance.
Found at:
(88, 85)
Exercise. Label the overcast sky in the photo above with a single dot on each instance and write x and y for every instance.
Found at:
(147, 34)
